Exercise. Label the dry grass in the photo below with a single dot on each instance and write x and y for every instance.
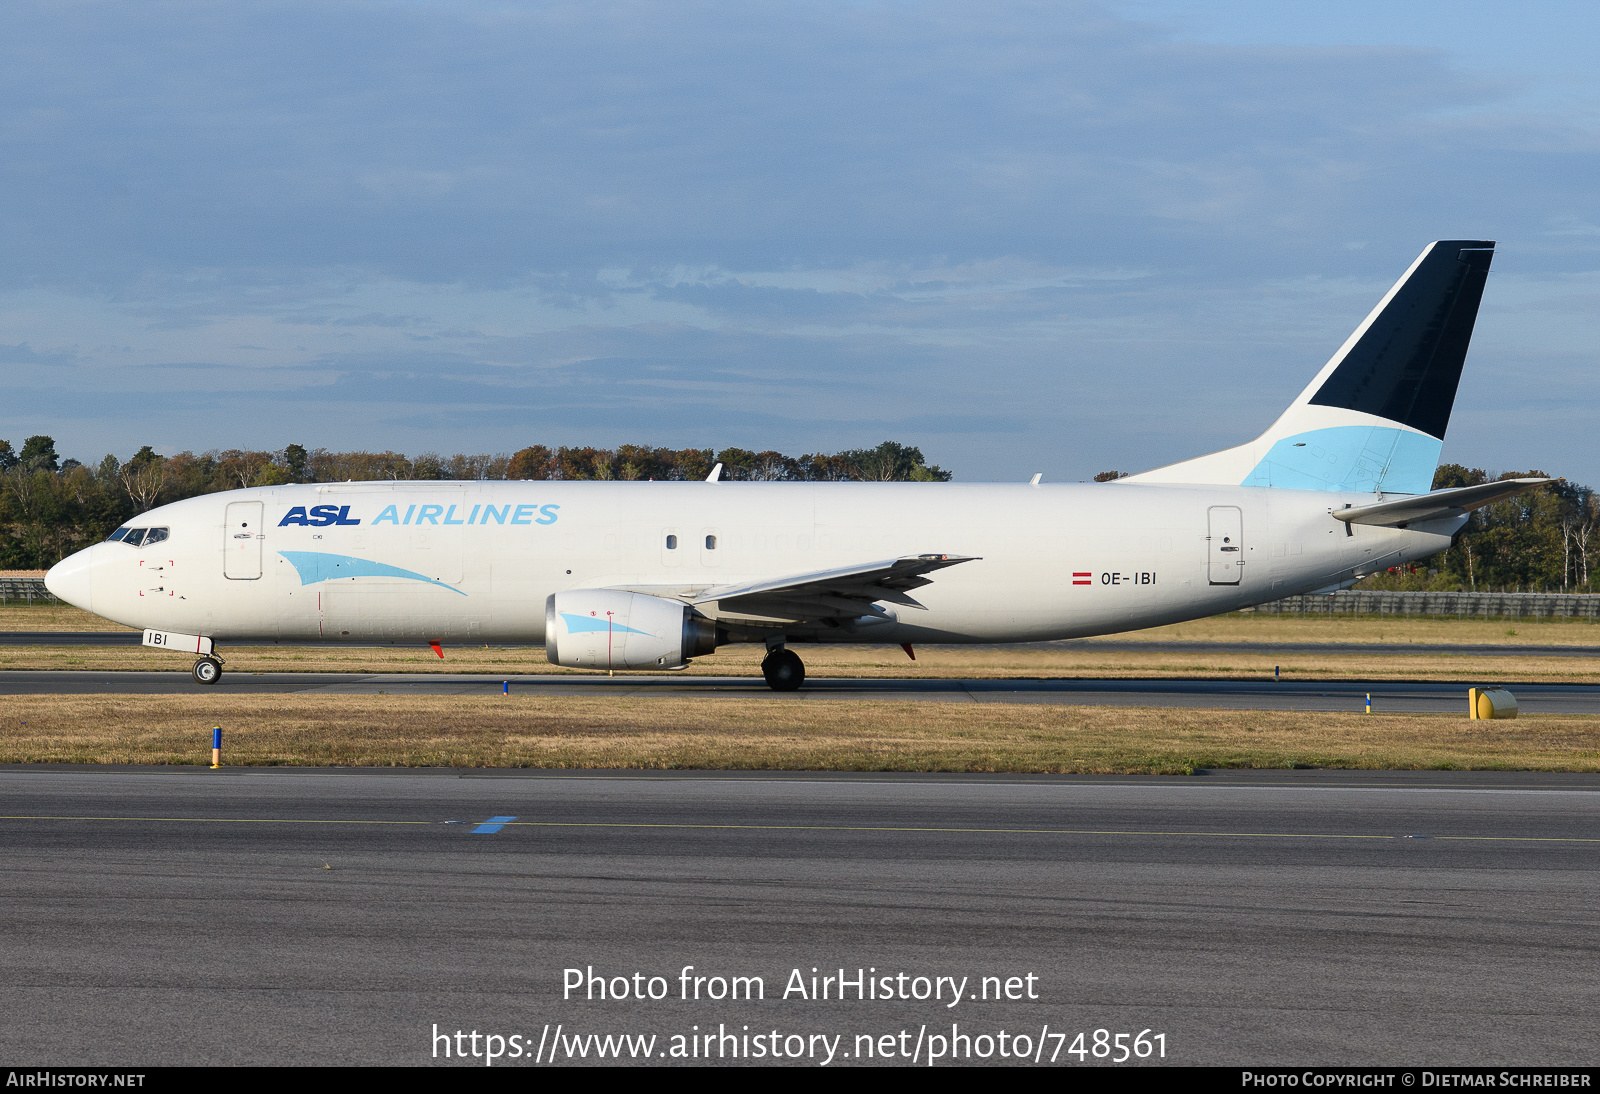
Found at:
(975, 662)
(1084, 660)
(496, 731)
(1267, 627)
(1233, 627)
(45, 616)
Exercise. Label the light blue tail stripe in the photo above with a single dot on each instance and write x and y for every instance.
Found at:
(1362, 458)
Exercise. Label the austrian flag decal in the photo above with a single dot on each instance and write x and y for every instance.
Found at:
(1081, 579)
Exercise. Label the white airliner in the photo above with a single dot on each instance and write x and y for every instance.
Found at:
(635, 575)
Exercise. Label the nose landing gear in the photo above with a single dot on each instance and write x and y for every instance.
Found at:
(783, 669)
(207, 670)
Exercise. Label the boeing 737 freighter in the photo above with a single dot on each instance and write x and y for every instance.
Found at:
(636, 575)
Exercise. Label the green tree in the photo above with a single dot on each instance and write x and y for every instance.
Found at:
(530, 463)
(891, 462)
(271, 475)
(40, 453)
(142, 477)
(294, 461)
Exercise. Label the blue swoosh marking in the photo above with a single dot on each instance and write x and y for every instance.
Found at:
(583, 624)
(314, 566)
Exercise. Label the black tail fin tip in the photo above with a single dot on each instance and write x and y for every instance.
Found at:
(1407, 364)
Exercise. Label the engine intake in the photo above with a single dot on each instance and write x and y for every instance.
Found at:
(610, 629)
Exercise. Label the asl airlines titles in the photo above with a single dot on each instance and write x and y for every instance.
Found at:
(325, 516)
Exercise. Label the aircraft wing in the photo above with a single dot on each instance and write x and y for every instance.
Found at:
(847, 591)
(1441, 503)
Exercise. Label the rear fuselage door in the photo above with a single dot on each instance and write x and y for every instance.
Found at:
(1225, 541)
(242, 539)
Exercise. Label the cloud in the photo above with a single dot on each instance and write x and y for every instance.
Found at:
(443, 225)
(24, 354)
(459, 141)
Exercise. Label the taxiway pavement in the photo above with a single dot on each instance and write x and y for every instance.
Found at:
(347, 917)
(1387, 696)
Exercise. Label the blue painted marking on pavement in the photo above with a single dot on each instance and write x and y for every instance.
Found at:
(493, 824)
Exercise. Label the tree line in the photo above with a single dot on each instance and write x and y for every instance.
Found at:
(50, 507)
(1544, 540)
(1541, 541)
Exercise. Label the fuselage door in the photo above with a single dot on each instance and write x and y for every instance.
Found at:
(242, 539)
(1225, 540)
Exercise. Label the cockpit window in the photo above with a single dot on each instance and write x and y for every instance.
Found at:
(138, 537)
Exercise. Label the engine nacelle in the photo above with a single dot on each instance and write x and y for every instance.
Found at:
(611, 629)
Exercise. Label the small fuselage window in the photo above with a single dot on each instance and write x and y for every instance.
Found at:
(711, 543)
(137, 537)
(672, 543)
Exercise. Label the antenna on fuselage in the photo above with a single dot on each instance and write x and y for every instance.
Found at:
(716, 473)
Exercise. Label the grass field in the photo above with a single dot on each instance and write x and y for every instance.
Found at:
(41, 615)
(1080, 662)
(1233, 627)
(1086, 659)
(755, 734)
(839, 735)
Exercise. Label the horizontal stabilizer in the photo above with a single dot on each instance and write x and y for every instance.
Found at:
(1439, 504)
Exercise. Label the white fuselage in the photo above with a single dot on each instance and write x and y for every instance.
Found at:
(475, 561)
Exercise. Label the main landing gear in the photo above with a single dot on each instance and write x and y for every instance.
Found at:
(207, 670)
(784, 670)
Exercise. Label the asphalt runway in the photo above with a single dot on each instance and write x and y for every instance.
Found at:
(1406, 697)
(183, 916)
(1379, 649)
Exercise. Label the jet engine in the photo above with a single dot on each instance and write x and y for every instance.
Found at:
(611, 629)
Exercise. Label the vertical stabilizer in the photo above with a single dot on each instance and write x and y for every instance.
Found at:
(1374, 417)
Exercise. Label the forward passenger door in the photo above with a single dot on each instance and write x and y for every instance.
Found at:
(242, 539)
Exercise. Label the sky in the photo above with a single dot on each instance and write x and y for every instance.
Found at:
(1026, 237)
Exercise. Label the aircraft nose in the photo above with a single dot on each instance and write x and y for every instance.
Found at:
(69, 579)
